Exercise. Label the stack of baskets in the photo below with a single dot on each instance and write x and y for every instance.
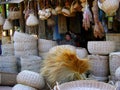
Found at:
(25, 44)
(99, 60)
(28, 80)
(44, 46)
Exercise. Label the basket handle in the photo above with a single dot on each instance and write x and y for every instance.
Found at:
(15, 9)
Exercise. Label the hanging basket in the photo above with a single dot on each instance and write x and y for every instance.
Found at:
(7, 25)
(14, 13)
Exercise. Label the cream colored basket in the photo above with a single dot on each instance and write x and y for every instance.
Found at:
(81, 52)
(99, 65)
(26, 53)
(22, 87)
(44, 45)
(22, 37)
(23, 46)
(85, 85)
(31, 79)
(8, 64)
(7, 49)
(101, 47)
(109, 6)
(31, 63)
(114, 62)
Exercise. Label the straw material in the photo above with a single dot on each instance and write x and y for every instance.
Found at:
(31, 63)
(114, 62)
(22, 37)
(7, 49)
(99, 65)
(7, 78)
(101, 47)
(8, 64)
(81, 52)
(85, 85)
(44, 45)
(31, 79)
(22, 87)
(23, 46)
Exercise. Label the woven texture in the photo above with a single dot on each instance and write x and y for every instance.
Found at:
(8, 64)
(7, 78)
(7, 49)
(85, 85)
(101, 47)
(32, 63)
(44, 45)
(81, 52)
(99, 65)
(31, 79)
(114, 62)
(22, 87)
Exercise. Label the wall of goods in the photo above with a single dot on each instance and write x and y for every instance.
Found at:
(48, 18)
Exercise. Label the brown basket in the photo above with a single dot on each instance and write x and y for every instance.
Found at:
(7, 78)
(14, 13)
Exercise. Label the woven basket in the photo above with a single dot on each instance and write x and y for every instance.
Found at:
(31, 63)
(109, 6)
(26, 53)
(7, 78)
(23, 46)
(14, 14)
(85, 85)
(101, 47)
(44, 45)
(114, 62)
(7, 49)
(6, 40)
(22, 87)
(99, 65)
(31, 79)
(8, 64)
(81, 52)
(22, 37)
(117, 73)
(7, 25)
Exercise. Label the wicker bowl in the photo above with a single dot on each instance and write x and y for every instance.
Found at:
(101, 47)
(85, 85)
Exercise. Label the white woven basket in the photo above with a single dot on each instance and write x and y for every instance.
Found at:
(117, 73)
(31, 79)
(22, 87)
(81, 52)
(26, 53)
(85, 85)
(8, 64)
(101, 47)
(7, 49)
(23, 46)
(22, 37)
(44, 45)
(99, 65)
(114, 62)
(31, 63)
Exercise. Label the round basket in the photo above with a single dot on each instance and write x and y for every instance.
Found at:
(23, 46)
(22, 87)
(31, 63)
(7, 49)
(81, 52)
(22, 37)
(101, 47)
(44, 45)
(117, 73)
(114, 62)
(85, 85)
(31, 79)
(99, 65)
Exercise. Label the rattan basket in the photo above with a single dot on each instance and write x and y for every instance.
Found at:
(85, 85)
(99, 65)
(114, 62)
(31, 79)
(101, 47)
(22, 87)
